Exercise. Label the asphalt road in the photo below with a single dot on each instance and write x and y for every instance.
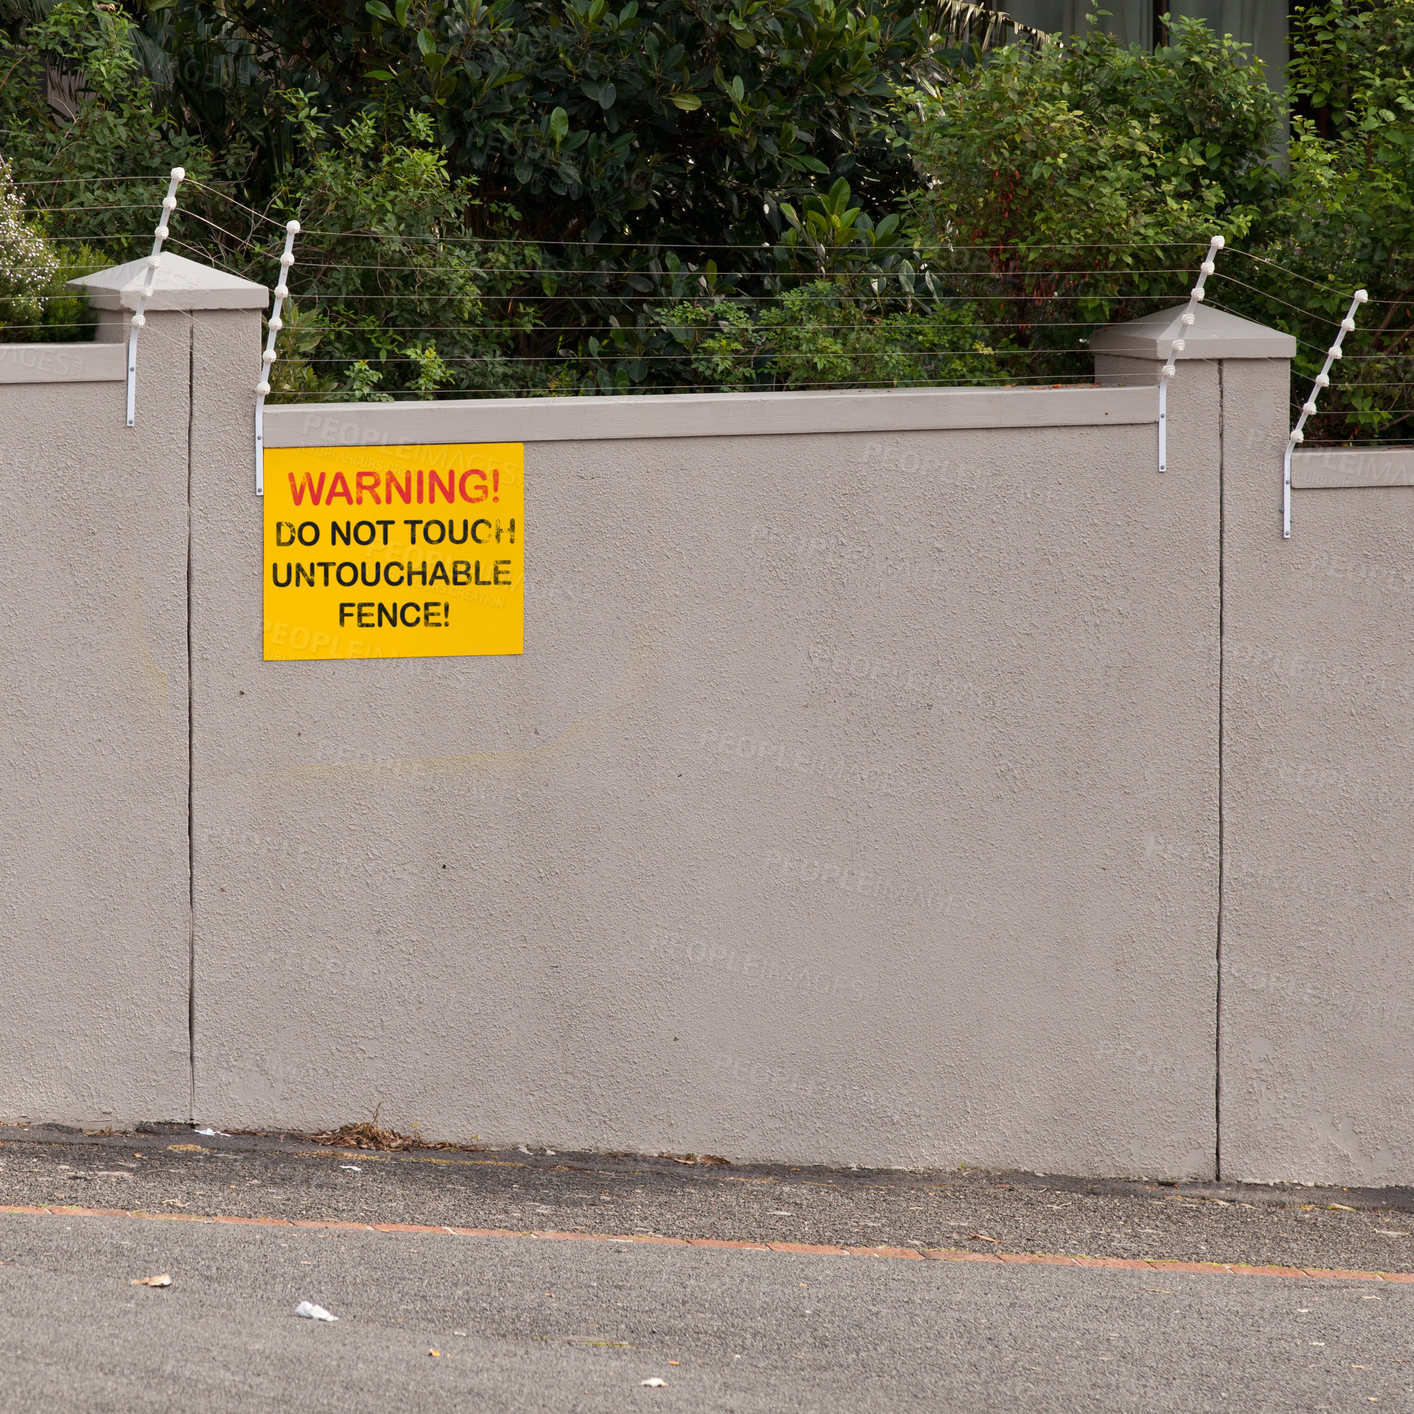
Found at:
(524, 1323)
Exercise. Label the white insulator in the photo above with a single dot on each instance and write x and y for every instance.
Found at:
(1323, 380)
(292, 227)
(1334, 352)
(282, 291)
(1207, 267)
(1198, 294)
(1361, 296)
(1309, 408)
(139, 320)
(277, 324)
(1347, 325)
(161, 233)
(153, 261)
(268, 357)
(1178, 346)
(1218, 242)
(263, 389)
(169, 203)
(180, 173)
(1298, 435)
(1187, 319)
(147, 292)
(286, 261)
(1167, 371)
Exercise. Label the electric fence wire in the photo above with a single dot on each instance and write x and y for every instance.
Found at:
(951, 284)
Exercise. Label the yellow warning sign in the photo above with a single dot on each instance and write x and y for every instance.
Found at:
(394, 552)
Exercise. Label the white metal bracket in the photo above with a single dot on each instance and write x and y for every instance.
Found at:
(169, 205)
(267, 359)
(1323, 380)
(1185, 322)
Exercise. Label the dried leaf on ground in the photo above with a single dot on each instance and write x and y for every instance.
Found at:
(369, 1134)
(161, 1279)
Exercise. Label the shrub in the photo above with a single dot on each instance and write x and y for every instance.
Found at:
(28, 266)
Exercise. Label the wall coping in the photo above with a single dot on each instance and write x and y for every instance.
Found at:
(1215, 334)
(1333, 468)
(63, 363)
(564, 419)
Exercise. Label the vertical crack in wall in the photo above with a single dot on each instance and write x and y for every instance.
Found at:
(191, 838)
(1222, 863)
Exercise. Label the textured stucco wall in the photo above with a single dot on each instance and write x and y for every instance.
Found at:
(1317, 1006)
(823, 817)
(856, 798)
(94, 909)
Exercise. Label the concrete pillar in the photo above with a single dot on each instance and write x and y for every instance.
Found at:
(1239, 373)
(95, 911)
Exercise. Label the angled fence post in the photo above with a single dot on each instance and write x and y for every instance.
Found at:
(1323, 380)
(267, 359)
(1167, 372)
(169, 205)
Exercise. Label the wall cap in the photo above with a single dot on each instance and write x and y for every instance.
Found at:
(1334, 468)
(62, 363)
(180, 284)
(1215, 334)
(630, 416)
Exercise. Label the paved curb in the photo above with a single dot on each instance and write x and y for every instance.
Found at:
(930, 1254)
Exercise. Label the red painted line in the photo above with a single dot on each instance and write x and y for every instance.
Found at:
(804, 1249)
(906, 1253)
(166, 1217)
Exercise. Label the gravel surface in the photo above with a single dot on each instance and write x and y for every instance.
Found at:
(170, 1168)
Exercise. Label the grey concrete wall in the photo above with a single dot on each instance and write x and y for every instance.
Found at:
(1317, 1005)
(818, 820)
(94, 911)
(858, 796)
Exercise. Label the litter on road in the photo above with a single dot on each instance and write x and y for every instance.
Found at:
(312, 1312)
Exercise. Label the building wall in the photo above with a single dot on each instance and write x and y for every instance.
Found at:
(814, 822)
(858, 797)
(1260, 24)
(1317, 1009)
(94, 911)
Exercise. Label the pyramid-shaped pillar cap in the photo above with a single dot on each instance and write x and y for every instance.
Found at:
(179, 284)
(1214, 334)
